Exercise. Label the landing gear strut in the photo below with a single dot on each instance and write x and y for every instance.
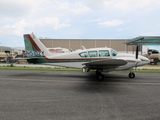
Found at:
(100, 76)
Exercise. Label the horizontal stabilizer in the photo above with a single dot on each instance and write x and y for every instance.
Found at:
(25, 58)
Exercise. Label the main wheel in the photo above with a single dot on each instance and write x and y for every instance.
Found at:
(131, 75)
(100, 77)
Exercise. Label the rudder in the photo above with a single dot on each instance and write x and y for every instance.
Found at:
(34, 47)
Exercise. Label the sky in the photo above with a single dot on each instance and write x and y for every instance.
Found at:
(122, 19)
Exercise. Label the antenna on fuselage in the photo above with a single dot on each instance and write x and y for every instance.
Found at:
(83, 47)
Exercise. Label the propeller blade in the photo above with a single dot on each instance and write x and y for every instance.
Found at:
(137, 52)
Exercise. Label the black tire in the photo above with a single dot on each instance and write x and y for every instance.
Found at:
(100, 77)
(131, 75)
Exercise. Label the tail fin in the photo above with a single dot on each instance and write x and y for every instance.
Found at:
(34, 47)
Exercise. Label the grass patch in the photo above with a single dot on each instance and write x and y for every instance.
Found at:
(12, 67)
(143, 70)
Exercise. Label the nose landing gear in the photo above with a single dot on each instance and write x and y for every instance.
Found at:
(131, 75)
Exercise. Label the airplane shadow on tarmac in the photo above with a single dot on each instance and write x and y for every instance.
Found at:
(78, 81)
(70, 75)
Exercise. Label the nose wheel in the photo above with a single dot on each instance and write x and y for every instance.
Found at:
(131, 75)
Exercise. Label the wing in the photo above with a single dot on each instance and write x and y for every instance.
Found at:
(105, 64)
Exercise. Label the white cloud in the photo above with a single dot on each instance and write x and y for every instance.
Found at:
(15, 29)
(15, 8)
(124, 5)
(111, 23)
(81, 18)
(141, 5)
(45, 13)
(49, 21)
(19, 27)
(79, 8)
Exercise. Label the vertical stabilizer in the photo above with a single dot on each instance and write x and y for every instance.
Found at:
(34, 47)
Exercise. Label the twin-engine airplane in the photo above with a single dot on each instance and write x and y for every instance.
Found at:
(98, 59)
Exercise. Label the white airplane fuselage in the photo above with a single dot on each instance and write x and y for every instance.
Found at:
(130, 58)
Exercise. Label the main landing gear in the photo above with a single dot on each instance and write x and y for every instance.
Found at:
(100, 76)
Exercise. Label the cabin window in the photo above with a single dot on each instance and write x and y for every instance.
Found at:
(104, 53)
(93, 53)
(114, 52)
(83, 54)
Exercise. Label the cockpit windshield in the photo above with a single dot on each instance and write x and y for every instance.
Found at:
(114, 52)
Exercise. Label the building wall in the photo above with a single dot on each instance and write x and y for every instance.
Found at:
(4, 48)
(47, 43)
(117, 44)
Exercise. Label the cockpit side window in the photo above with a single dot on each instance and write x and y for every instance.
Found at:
(104, 53)
(114, 52)
(83, 54)
(93, 53)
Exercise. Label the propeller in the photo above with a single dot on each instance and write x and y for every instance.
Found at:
(136, 57)
(137, 52)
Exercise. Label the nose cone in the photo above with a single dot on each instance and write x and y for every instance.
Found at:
(143, 61)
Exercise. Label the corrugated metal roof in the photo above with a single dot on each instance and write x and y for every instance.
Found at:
(144, 40)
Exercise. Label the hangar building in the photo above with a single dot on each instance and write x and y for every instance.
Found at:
(74, 44)
(121, 45)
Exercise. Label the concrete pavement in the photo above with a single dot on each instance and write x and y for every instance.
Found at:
(69, 95)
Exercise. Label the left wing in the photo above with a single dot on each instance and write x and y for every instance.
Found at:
(105, 64)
